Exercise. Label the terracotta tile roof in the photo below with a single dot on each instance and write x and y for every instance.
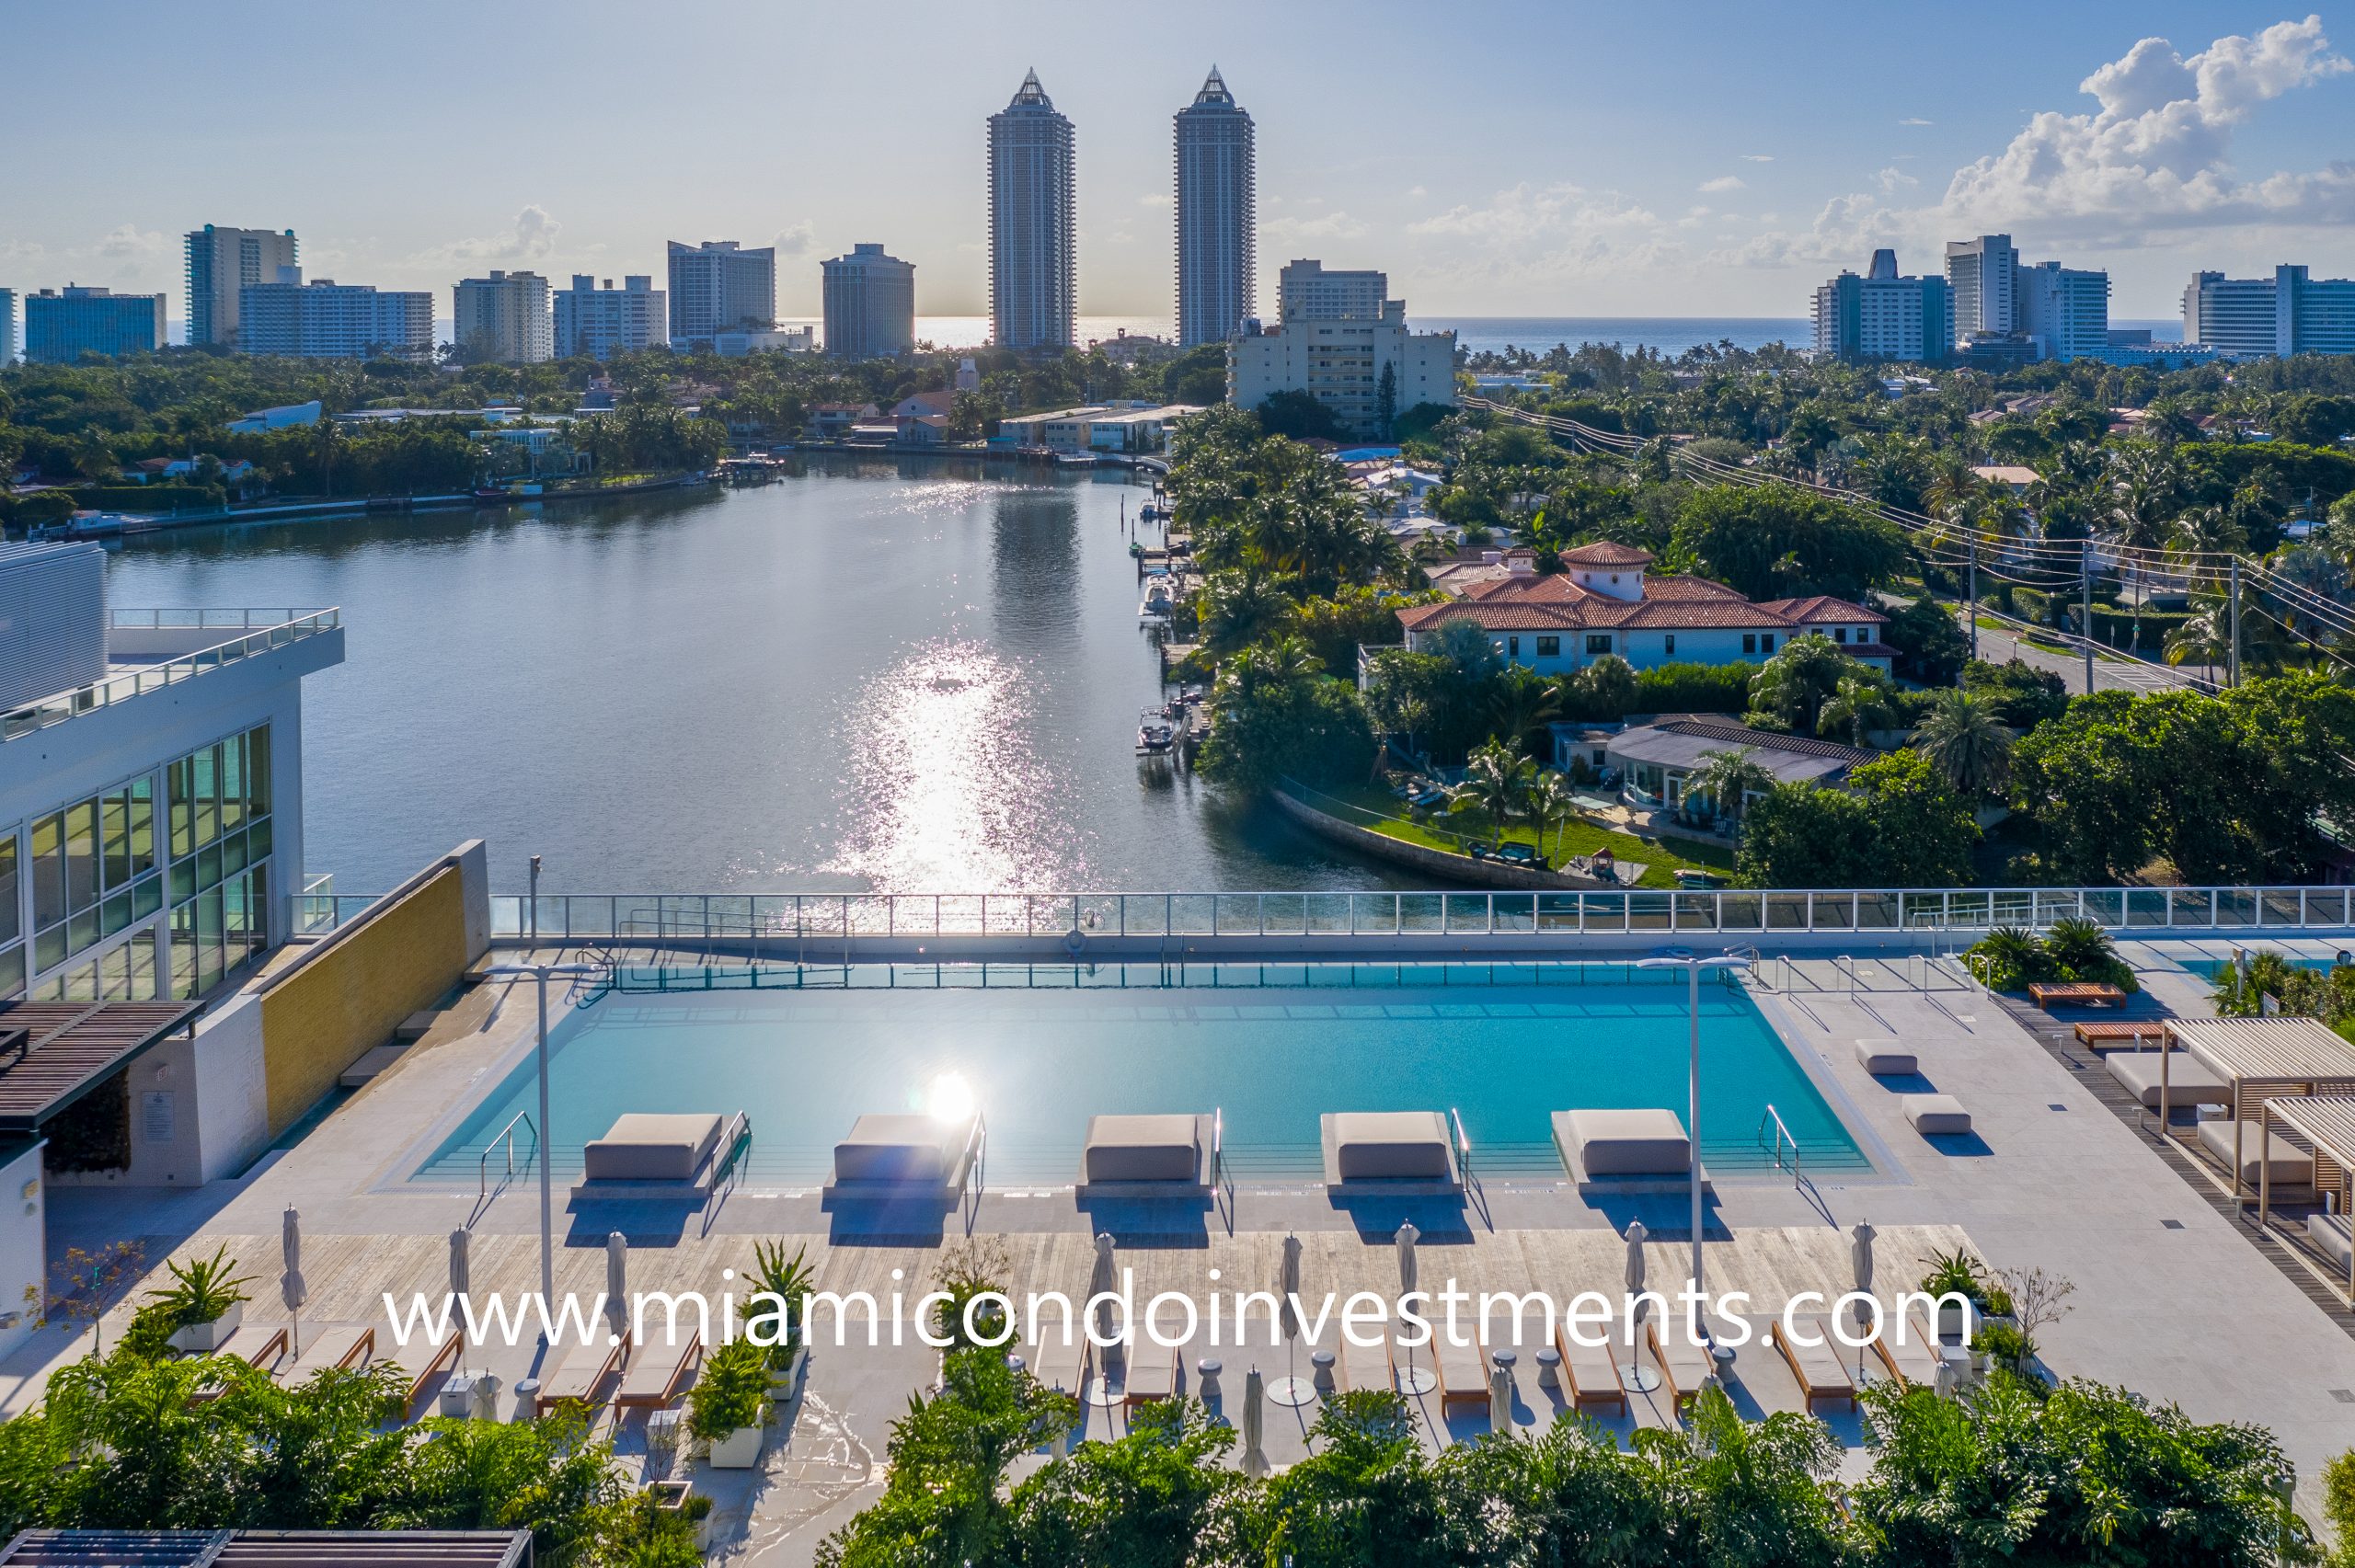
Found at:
(1603, 553)
(1823, 608)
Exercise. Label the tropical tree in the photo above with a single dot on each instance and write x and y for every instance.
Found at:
(1965, 742)
(1793, 686)
(1551, 804)
(1727, 780)
(1520, 704)
(1859, 702)
(1496, 782)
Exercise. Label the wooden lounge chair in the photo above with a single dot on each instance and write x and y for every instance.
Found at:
(1820, 1373)
(253, 1343)
(1060, 1364)
(1682, 1364)
(419, 1363)
(1149, 1370)
(1368, 1365)
(657, 1372)
(2109, 1034)
(578, 1377)
(2049, 994)
(1463, 1372)
(342, 1348)
(1914, 1362)
(1591, 1371)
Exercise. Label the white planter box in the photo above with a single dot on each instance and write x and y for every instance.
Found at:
(741, 1450)
(1951, 1319)
(203, 1338)
(785, 1385)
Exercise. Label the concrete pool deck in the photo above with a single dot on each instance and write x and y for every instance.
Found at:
(2172, 1298)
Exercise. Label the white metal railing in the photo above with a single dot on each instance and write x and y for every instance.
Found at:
(257, 637)
(505, 1138)
(1920, 914)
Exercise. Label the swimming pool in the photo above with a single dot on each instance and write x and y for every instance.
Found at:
(1041, 1049)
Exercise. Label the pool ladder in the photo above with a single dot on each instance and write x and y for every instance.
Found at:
(1774, 1136)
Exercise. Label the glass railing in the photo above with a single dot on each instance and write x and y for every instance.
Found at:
(257, 635)
(657, 918)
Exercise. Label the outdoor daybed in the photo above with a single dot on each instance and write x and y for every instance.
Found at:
(2189, 1082)
(1935, 1116)
(1624, 1151)
(2292, 1166)
(1173, 1155)
(1884, 1058)
(644, 1155)
(907, 1154)
(1390, 1151)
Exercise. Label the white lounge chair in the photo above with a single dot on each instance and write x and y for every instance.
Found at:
(1390, 1152)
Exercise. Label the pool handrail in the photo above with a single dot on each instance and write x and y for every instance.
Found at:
(1463, 1142)
(505, 1135)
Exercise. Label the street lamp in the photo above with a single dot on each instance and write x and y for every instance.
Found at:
(540, 972)
(1679, 958)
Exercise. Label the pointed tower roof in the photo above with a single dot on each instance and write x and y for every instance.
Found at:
(1031, 95)
(1215, 90)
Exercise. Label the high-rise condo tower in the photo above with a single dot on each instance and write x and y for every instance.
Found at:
(1217, 216)
(1034, 276)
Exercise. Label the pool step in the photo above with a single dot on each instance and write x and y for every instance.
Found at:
(371, 1063)
(416, 1024)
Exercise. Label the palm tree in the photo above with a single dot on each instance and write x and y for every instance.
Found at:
(1794, 685)
(1727, 779)
(1496, 781)
(1524, 702)
(2144, 487)
(1551, 804)
(1964, 740)
(1858, 703)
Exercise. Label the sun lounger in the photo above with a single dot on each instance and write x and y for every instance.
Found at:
(2105, 1035)
(644, 1156)
(2331, 1235)
(342, 1348)
(1591, 1371)
(1060, 1366)
(1149, 1370)
(1935, 1116)
(1684, 1365)
(1820, 1373)
(1885, 1058)
(256, 1344)
(2189, 1082)
(2292, 1166)
(578, 1376)
(1626, 1151)
(1914, 1362)
(2049, 994)
(1137, 1156)
(657, 1371)
(1462, 1371)
(1390, 1152)
(419, 1363)
(1368, 1365)
(891, 1154)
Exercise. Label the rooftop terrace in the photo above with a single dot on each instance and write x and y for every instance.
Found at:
(148, 650)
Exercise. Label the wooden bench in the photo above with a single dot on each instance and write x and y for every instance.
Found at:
(2110, 1034)
(2074, 994)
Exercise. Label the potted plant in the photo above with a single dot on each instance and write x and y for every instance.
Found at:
(2007, 1347)
(729, 1402)
(1953, 1275)
(689, 1510)
(791, 1280)
(205, 1302)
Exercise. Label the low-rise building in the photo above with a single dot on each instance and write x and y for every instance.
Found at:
(286, 416)
(601, 323)
(1367, 369)
(734, 343)
(1654, 761)
(1130, 427)
(1604, 603)
(61, 327)
(831, 422)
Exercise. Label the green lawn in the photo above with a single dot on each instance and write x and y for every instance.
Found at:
(1660, 857)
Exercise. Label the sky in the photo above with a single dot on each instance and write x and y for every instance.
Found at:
(1496, 159)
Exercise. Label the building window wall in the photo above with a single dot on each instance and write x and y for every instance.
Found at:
(12, 943)
(221, 841)
(94, 873)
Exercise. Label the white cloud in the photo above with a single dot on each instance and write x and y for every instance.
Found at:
(1157, 198)
(1336, 224)
(1914, 119)
(1722, 183)
(795, 240)
(532, 238)
(1417, 190)
(1545, 234)
(129, 240)
(1758, 157)
(1893, 179)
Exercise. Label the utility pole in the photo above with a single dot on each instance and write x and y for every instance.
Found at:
(1971, 602)
(2233, 662)
(2086, 625)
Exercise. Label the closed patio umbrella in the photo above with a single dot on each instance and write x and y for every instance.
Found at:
(616, 1282)
(1500, 1400)
(1099, 1284)
(1412, 1379)
(1255, 1422)
(1291, 1389)
(1860, 1254)
(461, 1279)
(1633, 1371)
(291, 1289)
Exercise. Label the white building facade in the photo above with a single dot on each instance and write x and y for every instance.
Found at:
(1367, 371)
(720, 286)
(1884, 316)
(504, 317)
(601, 323)
(2290, 313)
(1217, 216)
(2064, 310)
(326, 320)
(1985, 275)
(221, 264)
(1307, 291)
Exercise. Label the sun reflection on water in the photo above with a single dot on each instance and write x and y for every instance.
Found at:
(946, 792)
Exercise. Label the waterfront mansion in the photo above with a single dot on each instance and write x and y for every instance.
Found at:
(1604, 602)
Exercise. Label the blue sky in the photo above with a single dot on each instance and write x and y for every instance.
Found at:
(1567, 159)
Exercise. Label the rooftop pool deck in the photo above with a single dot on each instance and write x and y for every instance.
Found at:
(1039, 1048)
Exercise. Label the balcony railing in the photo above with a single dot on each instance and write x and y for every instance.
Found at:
(246, 634)
(655, 919)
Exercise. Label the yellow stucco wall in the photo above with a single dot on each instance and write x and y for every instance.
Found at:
(320, 1018)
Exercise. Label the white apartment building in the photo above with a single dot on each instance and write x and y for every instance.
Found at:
(1985, 275)
(504, 317)
(2288, 313)
(603, 322)
(1366, 369)
(718, 286)
(1884, 316)
(2064, 310)
(221, 264)
(326, 320)
(1306, 291)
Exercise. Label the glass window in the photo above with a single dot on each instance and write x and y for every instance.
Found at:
(258, 770)
(205, 789)
(82, 855)
(208, 940)
(143, 828)
(49, 947)
(232, 854)
(233, 783)
(12, 970)
(114, 838)
(257, 840)
(9, 915)
(115, 914)
(146, 897)
(1549, 647)
(177, 779)
(49, 871)
(184, 951)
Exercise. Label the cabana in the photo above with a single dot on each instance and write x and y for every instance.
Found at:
(2326, 1124)
(2259, 1059)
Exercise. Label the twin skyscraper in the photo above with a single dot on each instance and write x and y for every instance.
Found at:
(1034, 268)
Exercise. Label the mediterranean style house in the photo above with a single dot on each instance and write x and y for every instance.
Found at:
(1604, 602)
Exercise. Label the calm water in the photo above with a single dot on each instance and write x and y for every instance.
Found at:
(1042, 1050)
(871, 676)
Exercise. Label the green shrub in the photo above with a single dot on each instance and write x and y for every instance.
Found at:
(732, 1391)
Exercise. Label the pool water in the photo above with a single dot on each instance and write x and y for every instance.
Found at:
(1041, 1049)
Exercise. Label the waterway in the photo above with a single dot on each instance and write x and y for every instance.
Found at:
(906, 676)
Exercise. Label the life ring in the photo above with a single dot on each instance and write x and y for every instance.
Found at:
(1074, 942)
